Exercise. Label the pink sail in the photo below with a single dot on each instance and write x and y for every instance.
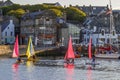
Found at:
(70, 52)
(16, 49)
(89, 49)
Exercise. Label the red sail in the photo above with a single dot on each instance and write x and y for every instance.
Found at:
(16, 48)
(70, 52)
(89, 49)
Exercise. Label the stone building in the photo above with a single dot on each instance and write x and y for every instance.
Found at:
(41, 26)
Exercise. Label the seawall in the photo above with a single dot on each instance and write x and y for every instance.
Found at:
(7, 50)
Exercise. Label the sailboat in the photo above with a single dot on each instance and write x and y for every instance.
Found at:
(16, 49)
(69, 56)
(30, 50)
(89, 49)
(90, 54)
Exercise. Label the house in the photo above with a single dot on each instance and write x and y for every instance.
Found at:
(6, 3)
(7, 31)
(40, 25)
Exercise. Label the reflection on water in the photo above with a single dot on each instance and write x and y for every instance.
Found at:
(69, 71)
(89, 73)
(56, 70)
(15, 71)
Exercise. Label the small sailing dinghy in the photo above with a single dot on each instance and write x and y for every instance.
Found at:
(69, 56)
(16, 49)
(91, 59)
(30, 51)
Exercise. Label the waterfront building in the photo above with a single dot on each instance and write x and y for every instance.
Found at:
(97, 25)
(8, 32)
(41, 26)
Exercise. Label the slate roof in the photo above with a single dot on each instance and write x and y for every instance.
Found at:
(54, 4)
(4, 25)
(31, 15)
(93, 9)
(6, 3)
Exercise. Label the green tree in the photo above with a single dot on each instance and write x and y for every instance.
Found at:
(75, 14)
(17, 13)
(6, 9)
(57, 12)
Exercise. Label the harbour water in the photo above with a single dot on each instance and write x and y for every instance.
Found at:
(56, 70)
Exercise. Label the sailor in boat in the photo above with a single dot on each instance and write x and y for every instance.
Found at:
(70, 61)
(19, 60)
(93, 58)
(32, 58)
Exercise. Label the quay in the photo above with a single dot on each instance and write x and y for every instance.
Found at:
(6, 50)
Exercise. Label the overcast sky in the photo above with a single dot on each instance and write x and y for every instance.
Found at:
(115, 3)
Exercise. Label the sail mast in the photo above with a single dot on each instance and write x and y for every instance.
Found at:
(112, 28)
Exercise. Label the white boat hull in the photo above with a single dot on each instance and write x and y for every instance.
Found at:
(108, 56)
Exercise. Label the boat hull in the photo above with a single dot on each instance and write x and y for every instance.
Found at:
(108, 56)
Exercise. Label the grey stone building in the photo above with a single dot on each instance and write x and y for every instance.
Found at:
(41, 26)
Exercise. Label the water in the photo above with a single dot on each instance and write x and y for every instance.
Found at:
(56, 70)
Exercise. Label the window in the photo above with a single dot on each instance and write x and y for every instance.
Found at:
(94, 8)
(5, 40)
(113, 33)
(8, 27)
(5, 33)
(11, 33)
(103, 32)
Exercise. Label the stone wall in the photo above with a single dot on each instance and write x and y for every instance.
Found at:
(5, 49)
(8, 49)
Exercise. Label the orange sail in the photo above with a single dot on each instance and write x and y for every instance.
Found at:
(89, 49)
(70, 52)
(16, 49)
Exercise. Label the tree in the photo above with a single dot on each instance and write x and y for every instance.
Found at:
(75, 14)
(17, 13)
(57, 12)
(6, 9)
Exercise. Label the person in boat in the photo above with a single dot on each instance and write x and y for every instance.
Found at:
(32, 58)
(70, 60)
(19, 60)
(93, 58)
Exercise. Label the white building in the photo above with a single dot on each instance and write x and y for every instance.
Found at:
(0, 34)
(100, 37)
(8, 32)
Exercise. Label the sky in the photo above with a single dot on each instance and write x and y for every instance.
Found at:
(115, 3)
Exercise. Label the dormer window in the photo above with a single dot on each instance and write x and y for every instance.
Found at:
(113, 33)
(103, 32)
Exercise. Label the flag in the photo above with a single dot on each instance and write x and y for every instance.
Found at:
(109, 11)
